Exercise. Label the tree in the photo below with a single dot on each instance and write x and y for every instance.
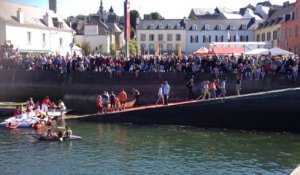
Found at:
(86, 48)
(81, 17)
(156, 15)
(113, 50)
(134, 48)
(134, 14)
(100, 48)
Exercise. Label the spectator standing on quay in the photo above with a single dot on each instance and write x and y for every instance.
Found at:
(105, 100)
(136, 95)
(99, 104)
(112, 99)
(223, 87)
(160, 96)
(190, 86)
(166, 92)
(123, 99)
(238, 85)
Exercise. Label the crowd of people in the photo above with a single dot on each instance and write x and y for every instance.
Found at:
(252, 67)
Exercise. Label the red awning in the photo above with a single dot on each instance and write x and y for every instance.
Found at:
(228, 50)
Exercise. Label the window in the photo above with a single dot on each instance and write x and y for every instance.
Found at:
(178, 37)
(222, 38)
(241, 38)
(263, 37)
(143, 46)
(143, 37)
(44, 38)
(231, 27)
(269, 36)
(219, 27)
(160, 37)
(160, 26)
(169, 37)
(177, 46)
(209, 38)
(169, 26)
(205, 39)
(177, 26)
(247, 38)
(61, 43)
(216, 38)
(206, 27)
(161, 47)
(194, 39)
(234, 38)
(151, 26)
(151, 47)
(151, 37)
(169, 47)
(275, 35)
(29, 37)
(244, 27)
(258, 37)
(194, 27)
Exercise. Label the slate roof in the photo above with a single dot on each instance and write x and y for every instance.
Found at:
(278, 16)
(187, 24)
(33, 16)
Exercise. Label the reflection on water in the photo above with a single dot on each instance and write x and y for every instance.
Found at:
(131, 149)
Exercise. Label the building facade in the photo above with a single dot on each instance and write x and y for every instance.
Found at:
(34, 30)
(164, 36)
(271, 29)
(290, 36)
(200, 33)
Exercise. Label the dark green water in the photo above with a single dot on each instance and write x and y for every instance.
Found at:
(131, 149)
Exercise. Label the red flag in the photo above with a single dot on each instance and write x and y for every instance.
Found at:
(127, 20)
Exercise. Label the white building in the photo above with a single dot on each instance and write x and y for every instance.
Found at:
(168, 35)
(200, 33)
(34, 30)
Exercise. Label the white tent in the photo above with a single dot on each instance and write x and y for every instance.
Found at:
(277, 51)
(257, 51)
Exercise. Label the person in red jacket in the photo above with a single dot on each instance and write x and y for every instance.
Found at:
(123, 99)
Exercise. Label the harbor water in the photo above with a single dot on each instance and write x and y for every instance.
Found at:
(149, 149)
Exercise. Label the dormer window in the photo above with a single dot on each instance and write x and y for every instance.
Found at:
(206, 27)
(160, 26)
(231, 27)
(244, 27)
(177, 26)
(219, 27)
(194, 27)
(151, 26)
(169, 26)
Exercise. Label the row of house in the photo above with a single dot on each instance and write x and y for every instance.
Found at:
(34, 30)
(273, 24)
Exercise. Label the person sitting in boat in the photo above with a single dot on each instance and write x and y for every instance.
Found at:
(30, 104)
(17, 111)
(50, 134)
(10, 126)
(68, 132)
(46, 104)
(37, 125)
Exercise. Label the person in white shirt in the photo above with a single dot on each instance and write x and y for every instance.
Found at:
(160, 96)
(166, 92)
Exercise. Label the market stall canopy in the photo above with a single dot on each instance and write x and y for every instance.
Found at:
(202, 50)
(257, 51)
(228, 50)
(277, 51)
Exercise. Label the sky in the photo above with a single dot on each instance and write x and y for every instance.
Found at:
(172, 9)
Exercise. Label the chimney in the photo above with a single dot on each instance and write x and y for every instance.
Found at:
(20, 16)
(53, 5)
(47, 20)
(286, 3)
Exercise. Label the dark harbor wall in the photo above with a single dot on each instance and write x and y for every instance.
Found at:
(79, 90)
(276, 111)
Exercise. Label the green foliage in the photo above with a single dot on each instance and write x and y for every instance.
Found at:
(113, 50)
(81, 17)
(134, 48)
(86, 48)
(156, 15)
(134, 14)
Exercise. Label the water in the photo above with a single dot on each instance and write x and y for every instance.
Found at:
(131, 149)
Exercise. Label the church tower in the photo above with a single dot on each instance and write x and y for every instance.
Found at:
(101, 11)
(53, 5)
